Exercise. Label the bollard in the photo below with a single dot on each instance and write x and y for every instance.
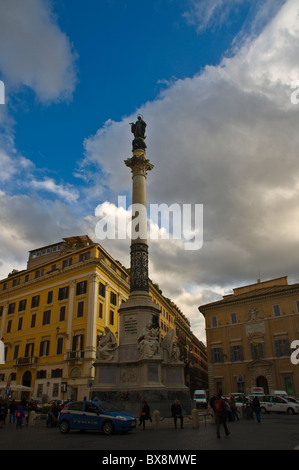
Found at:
(156, 419)
(31, 418)
(195, 418)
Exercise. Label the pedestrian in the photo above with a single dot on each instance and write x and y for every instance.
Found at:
(20, 415)
(3, 412)
(145, 414)
(257, 408)
(233, 407)
(12, 411)
(220, 414)
(176, 412)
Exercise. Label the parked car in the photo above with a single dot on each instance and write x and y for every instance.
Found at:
(96, 416)
(200, 399)
(275, 403)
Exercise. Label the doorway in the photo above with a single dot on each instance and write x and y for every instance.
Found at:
(261, 381)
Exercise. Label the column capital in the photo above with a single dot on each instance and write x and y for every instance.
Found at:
(94, 277)
(139, 164)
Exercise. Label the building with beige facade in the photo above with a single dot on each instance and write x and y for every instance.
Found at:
(249, 336)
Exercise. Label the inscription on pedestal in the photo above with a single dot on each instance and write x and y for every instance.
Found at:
(130, 326)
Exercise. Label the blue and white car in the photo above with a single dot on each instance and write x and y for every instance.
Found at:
(94, 416)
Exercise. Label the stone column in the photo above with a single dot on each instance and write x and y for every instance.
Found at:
(92, 316)
(4, 315)
(139, 248)
(70, 316)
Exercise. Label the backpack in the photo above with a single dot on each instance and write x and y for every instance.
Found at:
(218, 405)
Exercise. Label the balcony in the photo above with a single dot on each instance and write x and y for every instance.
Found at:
(75, 356)
(30, 361)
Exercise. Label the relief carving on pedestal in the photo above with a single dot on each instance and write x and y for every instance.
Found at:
(107, 346)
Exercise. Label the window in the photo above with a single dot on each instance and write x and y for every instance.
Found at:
(216, 355)
(276, 310)
(113, 298)
(56, 373)
(288, 385)
(80, 309)
(297, 306)
(8, 329)
(100, 310)
(59, 346)
(44, 348)
(29, 349)
(11, 308)
(84, 256)
(67, 262)
(22, 305)
(282, 347)
(77, 345)
(41, 374)
(47, 317)
(102, 289)
(76, 406)
(1, 310)
(111, 317)
(33, 320)
(35, 301)
(16, 282)
(236, 353)
(39, 273)
(91, 408)
(62, 313)
(233, 317)
(63, 293)
(20, 323)
(16, 351)
(46, 251)
(214, 321)
(81, 288)
(50, 297)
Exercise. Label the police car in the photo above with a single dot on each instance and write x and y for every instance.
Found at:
(277, 404)
(94, 415)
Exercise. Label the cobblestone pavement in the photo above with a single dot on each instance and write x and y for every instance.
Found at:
(276, 432)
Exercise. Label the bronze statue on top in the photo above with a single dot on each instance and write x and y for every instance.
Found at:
(138, 129)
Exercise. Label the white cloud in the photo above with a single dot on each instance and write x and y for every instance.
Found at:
(228, 139)
(34, 51)
(64, 191)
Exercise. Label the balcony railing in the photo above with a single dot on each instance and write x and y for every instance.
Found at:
(26, 361)
(75, 355)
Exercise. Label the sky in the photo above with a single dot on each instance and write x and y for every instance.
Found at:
(216, 81)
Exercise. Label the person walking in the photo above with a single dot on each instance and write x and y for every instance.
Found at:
(257, 408)
(233, 407)
(176, 412)
(12, 411)
(20, 415)
(3, 411)
(220, 414)
(145, 414)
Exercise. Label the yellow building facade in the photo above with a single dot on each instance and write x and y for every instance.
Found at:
(53, 313)
(249, 336)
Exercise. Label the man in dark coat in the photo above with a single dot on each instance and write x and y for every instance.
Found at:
(176, 412)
